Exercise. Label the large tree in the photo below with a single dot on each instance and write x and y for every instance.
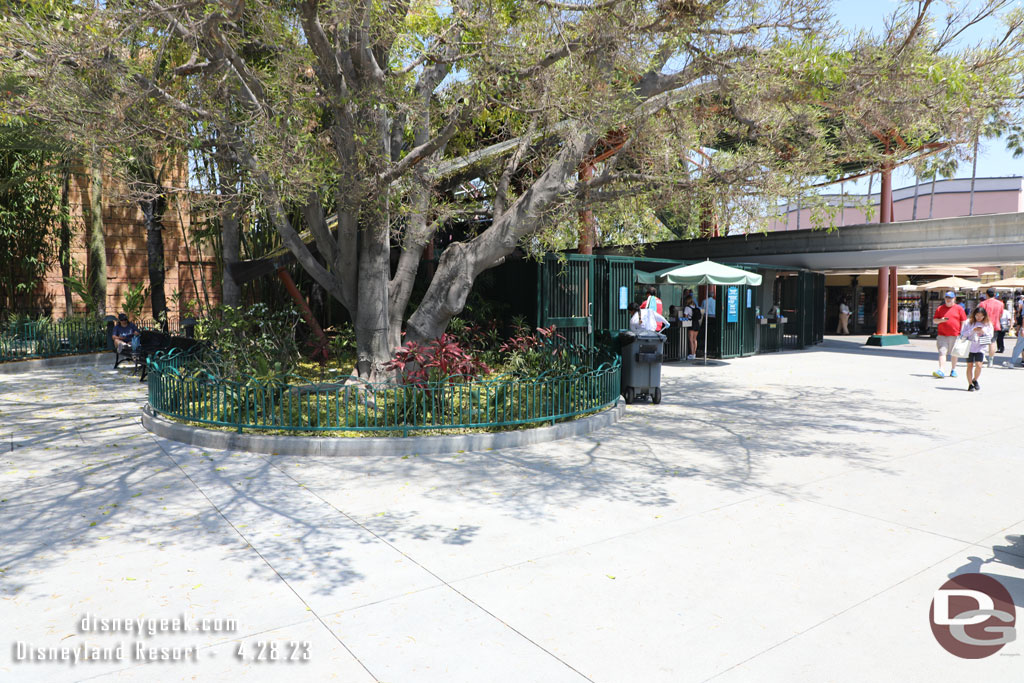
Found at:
(387, 122)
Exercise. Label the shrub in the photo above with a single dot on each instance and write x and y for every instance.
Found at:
(442, 360)
(251, 342)
(544, 351)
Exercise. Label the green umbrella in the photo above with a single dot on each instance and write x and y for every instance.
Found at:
(708, 273)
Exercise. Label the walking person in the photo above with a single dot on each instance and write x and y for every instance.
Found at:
(977, 330)
(950, 318)
(844, 317)
(994, 308)
(1005, 325)
(1018, 348)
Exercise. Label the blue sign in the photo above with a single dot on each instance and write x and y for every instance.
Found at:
(732, 305)
(749, 292)
(623, 298)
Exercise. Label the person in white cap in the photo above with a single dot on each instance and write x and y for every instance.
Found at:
(950, 318)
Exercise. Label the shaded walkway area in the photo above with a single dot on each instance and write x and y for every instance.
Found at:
(781, 517)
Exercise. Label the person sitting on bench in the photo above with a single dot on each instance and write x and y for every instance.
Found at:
(124, 331)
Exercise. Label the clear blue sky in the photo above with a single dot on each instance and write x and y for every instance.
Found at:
(993, 160)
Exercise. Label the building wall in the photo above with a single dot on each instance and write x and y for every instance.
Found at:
(952, 198)
(126, 251)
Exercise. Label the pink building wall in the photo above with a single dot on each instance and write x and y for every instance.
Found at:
(952, 198)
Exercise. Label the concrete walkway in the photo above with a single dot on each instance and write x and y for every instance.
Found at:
(778, 518)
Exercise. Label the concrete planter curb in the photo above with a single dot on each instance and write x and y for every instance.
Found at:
(342, 446)
(83, 360)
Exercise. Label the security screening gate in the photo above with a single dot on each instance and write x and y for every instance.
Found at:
(565, 297)
(802, 297)
(614, 280)
(735, 321)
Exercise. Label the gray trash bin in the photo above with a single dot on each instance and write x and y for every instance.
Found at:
(642, 355)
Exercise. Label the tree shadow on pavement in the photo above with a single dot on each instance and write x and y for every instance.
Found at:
(732, 438)
(87, 485)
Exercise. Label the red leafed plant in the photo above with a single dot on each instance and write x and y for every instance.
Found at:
(528, 341)
(440, 360)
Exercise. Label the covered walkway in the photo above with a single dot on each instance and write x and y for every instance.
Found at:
(993, 238)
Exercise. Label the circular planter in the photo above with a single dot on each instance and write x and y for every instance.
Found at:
(354, 446)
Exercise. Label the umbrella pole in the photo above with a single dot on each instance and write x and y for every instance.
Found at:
(705, 323)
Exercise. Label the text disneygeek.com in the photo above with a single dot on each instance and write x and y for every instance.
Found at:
(245, 650)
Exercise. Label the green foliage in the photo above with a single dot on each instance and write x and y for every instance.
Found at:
(76, 282)
(29, 211)
(537, 353)
(343, 340)
(135, 300)
(251, 342)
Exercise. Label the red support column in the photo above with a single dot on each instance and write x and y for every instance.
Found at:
(884, 216)
(882, 309)
(320, 352)
(894, 290)
(887, 318)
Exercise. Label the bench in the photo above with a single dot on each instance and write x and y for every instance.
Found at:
(151, 341)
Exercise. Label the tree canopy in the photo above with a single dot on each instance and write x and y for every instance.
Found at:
(492, 124)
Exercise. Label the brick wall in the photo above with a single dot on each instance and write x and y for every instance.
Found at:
(125, 232)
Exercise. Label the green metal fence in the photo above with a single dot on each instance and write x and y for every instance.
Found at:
(47, 338)
(180, 389)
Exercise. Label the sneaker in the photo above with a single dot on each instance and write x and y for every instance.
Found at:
(691, 357)
(990, 361)
(952, 373)
(1005, 364)
(970, 387)
(977, 387)
(938, 373)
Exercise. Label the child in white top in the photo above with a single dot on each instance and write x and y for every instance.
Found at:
(978, 329)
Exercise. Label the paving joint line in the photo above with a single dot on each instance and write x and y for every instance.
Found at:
(882, 519)
(435, 575)
(837, 614)
(264, 559)
(599, 541)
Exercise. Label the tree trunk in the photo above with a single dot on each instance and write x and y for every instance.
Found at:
(153, 205)
(64, 245)
(917, 191)
(375, 341)
(931, 203)
(96, 266)
(462, 262)
(155, 259)
(230, 238)
(974, 174)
